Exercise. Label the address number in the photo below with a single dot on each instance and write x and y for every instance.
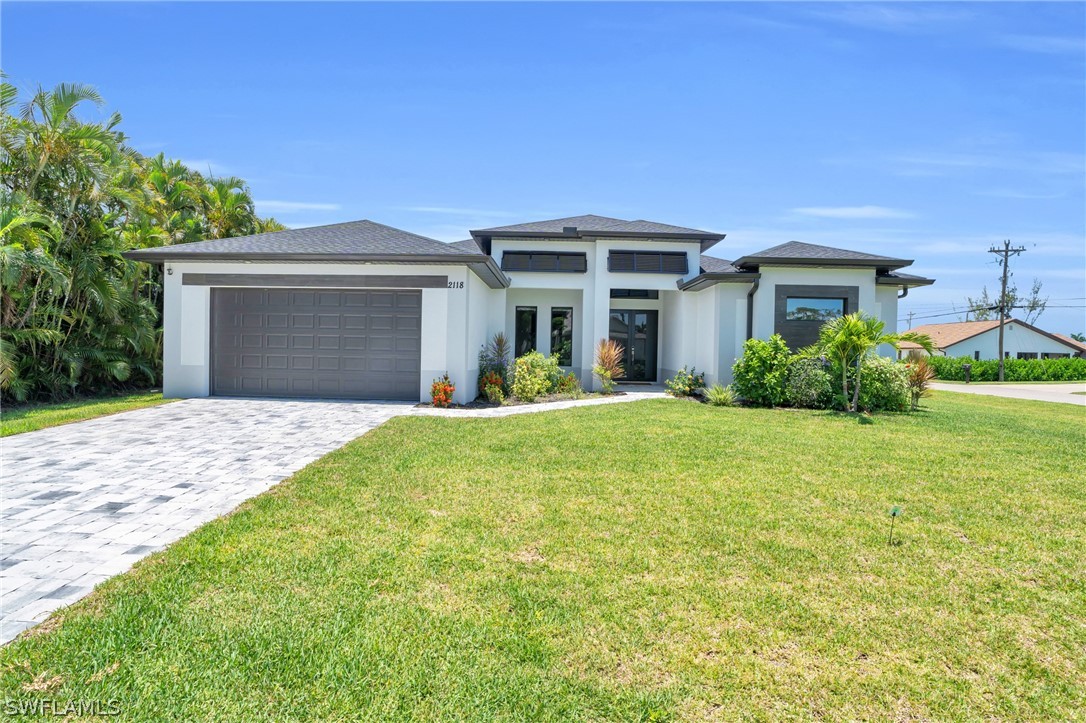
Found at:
(456, 284)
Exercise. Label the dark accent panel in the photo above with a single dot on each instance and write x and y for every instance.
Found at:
(562, 262)
(358, 344)
(799, 334)
(348, 281)
(647, 262)
(635, 294)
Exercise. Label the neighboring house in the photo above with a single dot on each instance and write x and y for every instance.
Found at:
(980, 340)
(362, 310)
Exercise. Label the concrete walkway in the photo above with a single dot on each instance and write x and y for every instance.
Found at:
(1062, 393)
(82, 502)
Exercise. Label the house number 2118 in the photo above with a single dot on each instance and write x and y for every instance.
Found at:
(456, 284)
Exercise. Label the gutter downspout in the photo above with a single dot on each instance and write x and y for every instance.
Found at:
(750, 308)
(904, 292)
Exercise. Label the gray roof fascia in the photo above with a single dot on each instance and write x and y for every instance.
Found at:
(704, 281)
(909, 281)
(755, 261)
(484, 266)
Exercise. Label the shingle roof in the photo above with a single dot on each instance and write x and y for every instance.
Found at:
(1073, 342)
(468, 246)
(955, 332)
(354, 238)
(596, 226)
(799, 252)
(554, 225)
(949, 333)
(899, 278)
(713, 265)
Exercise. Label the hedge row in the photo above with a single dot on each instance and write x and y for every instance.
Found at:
(1014, 370)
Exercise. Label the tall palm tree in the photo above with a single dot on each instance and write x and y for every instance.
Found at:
(849, 339)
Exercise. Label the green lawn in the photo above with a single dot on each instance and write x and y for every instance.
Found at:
(31, 417)
(649, 561)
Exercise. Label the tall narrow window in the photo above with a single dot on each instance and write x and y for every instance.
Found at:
(525, 330)
(562, 335)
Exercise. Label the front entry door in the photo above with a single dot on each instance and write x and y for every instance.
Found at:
(636, 331)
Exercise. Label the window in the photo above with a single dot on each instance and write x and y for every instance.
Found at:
(1027, 355)
(1054, 355)
(524, 324)
(647, 262)
(976, 356)
(539, 261)
(808, 309)
(562, 335)
(635, 294)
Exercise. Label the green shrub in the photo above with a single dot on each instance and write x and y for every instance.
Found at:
(494, 363)
(534, 375)
(721, 396)
(685, 383)
(1014, 370)
(884, 385)
(759, 375)
(808, 384)
(569, 384)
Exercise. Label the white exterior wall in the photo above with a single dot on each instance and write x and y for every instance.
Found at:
(590, 295)
(1016, 338)
(453, 322)
(886, 310)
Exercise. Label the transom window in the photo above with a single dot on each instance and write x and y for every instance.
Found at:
(647, 262)
(539, 261)
(800, 308)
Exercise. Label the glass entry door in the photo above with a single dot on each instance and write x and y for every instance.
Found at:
(636, 331)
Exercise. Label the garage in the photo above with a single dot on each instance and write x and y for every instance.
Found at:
(316, 343)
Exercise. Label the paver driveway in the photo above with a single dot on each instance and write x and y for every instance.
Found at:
(82, 502)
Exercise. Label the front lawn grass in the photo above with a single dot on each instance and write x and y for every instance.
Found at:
(648, 561)
(31, 417)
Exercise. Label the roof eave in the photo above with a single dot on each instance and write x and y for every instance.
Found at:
(706, 240)
(911, 283)
(704, 281)
(484, 266)
(758, 261)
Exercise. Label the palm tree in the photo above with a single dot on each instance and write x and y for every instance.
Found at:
(228, 206)
(849, 339)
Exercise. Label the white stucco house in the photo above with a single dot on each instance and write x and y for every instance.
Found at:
(980, 340)
(363, 310)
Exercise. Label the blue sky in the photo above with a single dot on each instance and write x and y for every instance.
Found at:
(928, 131)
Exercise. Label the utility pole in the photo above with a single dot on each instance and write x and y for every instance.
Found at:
(911, 315)
(1004, 255)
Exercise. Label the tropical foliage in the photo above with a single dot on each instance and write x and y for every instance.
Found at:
(685, 383)
(851, 339)
(608, 366)
(77, 317)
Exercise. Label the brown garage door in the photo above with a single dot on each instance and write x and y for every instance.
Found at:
(316, 343)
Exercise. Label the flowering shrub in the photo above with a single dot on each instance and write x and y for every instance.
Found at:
(685, 383)
(491, 379)
(441, 391)
(494, 393)
(534, 375)
(569, 384)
